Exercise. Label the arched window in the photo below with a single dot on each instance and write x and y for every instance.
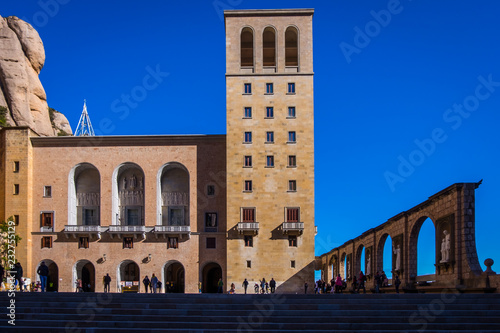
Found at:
(247, 47)
(269, 47)
(291, 47)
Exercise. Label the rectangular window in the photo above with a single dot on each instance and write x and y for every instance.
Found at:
(269, 88)
(270, 161)
(210, 189)
(248, 186)
(269, 112)
(211, 222)
(128, 242)
(249, 264)
(292, 161)
(292, 186)
(248, 112)
(292, 215)
(16, 166)
(291, 88)
(248, 88)
(83, 243)
(292, 241)
(248, 161)
(291, 112)
(173, 243)
(47, 242)
(16, 189)
(248, 215)
(47, 219)
(248, 137)
(211, 243)
(249, 241)
(269, 137)
(292, 263)
(292, 137)
(47, 191)
(16, 219)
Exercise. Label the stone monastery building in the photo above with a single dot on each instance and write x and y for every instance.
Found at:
(190, 208)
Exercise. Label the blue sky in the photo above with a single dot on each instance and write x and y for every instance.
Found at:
(374, 97)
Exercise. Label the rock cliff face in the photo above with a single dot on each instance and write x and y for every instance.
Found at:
(22, 98)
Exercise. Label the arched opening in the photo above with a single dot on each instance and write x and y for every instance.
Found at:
(84, 195)
(386, 264)
(426, 249)
(291, 47)
(173, 200)
(128, 195)
(343, 265)
(84, 270)
(128, 275)
(422, 249)
(333, 268)
(269, 47)
(359, 262)
(53, 277)
(211, 274)
(173, 277)
(246, 47)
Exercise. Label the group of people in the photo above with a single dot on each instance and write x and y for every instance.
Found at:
(25, 284)
(154, 284)
(381, 280)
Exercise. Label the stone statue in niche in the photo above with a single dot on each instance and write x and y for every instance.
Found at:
(124, 183)
(397, 252)
(348, 269)
(445, 247)
(140, 183)
(368, 264)
(133, 182)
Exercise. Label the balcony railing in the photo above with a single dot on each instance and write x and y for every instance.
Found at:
(82, 228)
(127, 228)
(293, 227)
(172, 229)
(248, 227)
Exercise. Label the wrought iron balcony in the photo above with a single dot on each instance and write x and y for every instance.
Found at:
(248, 227)
(293, 227)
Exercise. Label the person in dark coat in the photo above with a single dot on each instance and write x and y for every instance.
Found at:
(272, 284)
(107, 281)
(43, 272)
(146, 283)
(19, 275)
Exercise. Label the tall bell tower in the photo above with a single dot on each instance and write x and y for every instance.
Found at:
(270, 147)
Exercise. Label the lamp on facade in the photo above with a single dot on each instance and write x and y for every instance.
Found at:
(104, 257)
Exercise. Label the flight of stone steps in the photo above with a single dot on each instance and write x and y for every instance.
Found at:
(98, 312)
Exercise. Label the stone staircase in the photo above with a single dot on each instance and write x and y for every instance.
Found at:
(98, 312)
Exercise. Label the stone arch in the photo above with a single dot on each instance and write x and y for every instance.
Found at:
(128, 271)
(292, 46)
(380, 252)
(85, 271)
(413, 243)
(128, 195)
(357, 264)
(333, 267)
(84, 195)
(173, 195)
(173, 275)
(211, 272)
(343, 272)
(53, 277)
(247, 47)
(269, 42)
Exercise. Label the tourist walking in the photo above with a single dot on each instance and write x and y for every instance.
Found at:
(146, 284)
(245, 285)
(107, 281)
(361, 282)
(158, 284)
(338, 284)
(154, 282)
(397, 282)
(199, 287)
(263, 286)
(272, 284)
(305, 287)
(43, 272)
